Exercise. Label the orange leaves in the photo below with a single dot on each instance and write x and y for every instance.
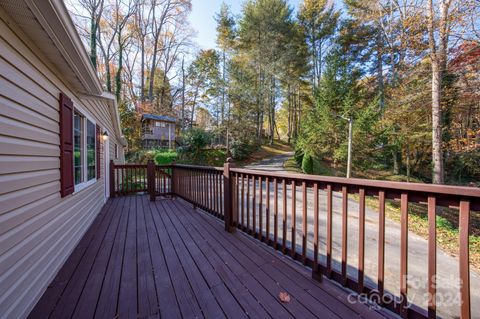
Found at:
(284, 297)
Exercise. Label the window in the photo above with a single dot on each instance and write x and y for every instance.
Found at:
(77, 147)
(116, 151)
(160, 124)
(84, 147)
(91, 153)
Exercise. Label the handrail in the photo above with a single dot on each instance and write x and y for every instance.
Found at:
(198, 167)
(408, 186)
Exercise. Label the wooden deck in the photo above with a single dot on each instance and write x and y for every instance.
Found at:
(143, 259)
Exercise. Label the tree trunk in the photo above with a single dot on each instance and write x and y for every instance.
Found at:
(408, 161)
(272, 127)
(381, 93)
(289, 106)
(437, 153)
(118, 76)
(396, 162)
(182, 125)
(193, 107)
(223, 85)
(93, 41)
(142, 70)
(107, 73)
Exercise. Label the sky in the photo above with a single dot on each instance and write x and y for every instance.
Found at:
(203, 21)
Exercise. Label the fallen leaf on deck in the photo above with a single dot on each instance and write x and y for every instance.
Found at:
(284, 297)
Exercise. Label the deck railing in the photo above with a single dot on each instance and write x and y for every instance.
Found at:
(140, 178)
(264, 205)
(201, 186)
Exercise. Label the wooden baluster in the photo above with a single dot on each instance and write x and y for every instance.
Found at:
(432, 257)
(228, 196)
(243, 201)
(164, 177)
(304, 222)
(134, 180)
(260, 208)
(294, 218)
(217, 188)
(210, 191)
(329, 231)
(464, 228)
(123, 180)
(361, 241)
(151, 180)
(254, 200)
(381, 244)
(248, 204)
(284, 217)
(190, 191)
(344, 234)
(205, 189)
(315, 231)
(235, 198)
(111, 169)
(403, 254)
(275, 213)
(222, 191)
(197, 179)
(190, 178)
(267, 211)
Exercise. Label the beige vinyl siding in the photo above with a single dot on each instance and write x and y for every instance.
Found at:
(38, 229)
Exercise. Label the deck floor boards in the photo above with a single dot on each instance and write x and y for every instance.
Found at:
(163, 259)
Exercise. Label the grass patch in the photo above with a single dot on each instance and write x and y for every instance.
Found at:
(290, 165)
(165, 157)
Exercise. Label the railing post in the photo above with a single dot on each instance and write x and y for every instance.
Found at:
(112, 178)
(172, 180)
(228, 196)
(151, 179)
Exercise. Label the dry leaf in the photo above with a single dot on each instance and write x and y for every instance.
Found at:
(284, 297)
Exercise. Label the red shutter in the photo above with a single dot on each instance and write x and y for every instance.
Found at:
(66, 146)
(98, 151)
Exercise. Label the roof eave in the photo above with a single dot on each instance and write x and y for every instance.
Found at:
(54, 18)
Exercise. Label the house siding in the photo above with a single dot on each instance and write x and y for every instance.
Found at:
(38, 229)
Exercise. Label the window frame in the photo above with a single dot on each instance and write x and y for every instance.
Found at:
(86, 118)
(116, 151)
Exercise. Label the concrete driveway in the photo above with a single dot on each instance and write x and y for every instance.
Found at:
(448, 303)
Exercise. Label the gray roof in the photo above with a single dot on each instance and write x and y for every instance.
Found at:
(159, 118)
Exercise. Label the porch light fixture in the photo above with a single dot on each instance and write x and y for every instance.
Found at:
(105, 135)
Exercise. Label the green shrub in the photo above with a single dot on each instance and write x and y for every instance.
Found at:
(307, 164)
(242, 148)
(197, 139)
(165, 157)
(298, 156)
(140, 157)
(194, 141)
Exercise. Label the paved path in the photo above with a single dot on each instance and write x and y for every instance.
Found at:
(447, 265)
(273, 164)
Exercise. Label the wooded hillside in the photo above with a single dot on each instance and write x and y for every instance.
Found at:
(404, 73)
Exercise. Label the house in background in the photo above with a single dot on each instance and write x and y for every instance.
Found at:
(58, 133)
(158, 131)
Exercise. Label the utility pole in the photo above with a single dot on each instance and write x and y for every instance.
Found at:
(350, 139)
(349, 157)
